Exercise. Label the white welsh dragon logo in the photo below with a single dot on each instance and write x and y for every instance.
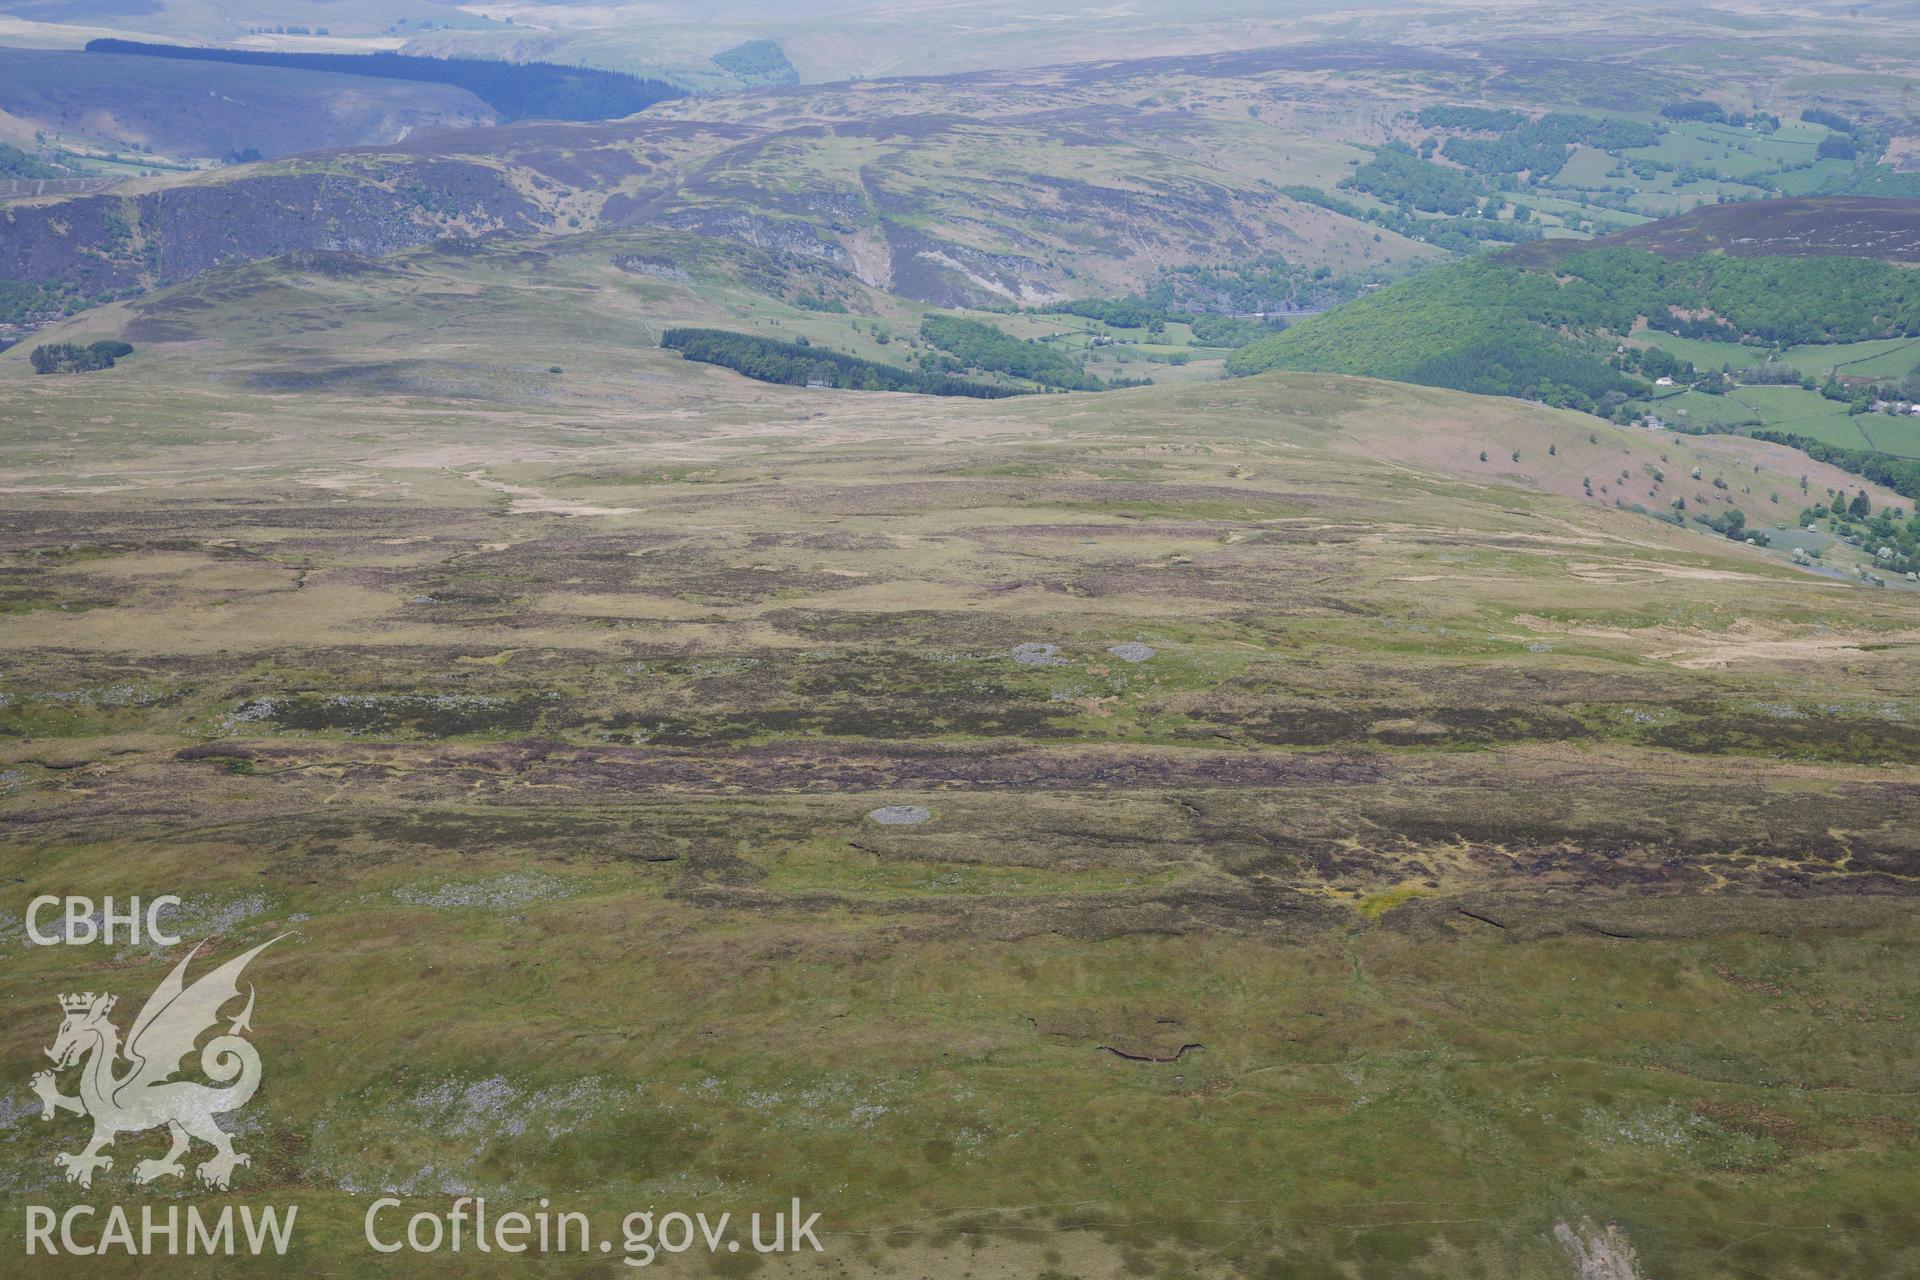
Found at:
(145, 1095)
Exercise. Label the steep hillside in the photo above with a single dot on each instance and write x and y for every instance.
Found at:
(1069, 187)
(93, 248)
(1548, 322)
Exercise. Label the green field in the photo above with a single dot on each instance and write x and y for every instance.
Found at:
(1886, 434)
(1794, 409)
(1586, 167)
(1886, 358)
(1814, 178)
(1692, 407)
(1734, 153)
(1799, 412)
(1705, 355)
(1791, 409)
(1725, 162)
(1882, 357)
(1879, 358)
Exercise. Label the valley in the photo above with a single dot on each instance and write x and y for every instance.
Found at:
(1050, 183)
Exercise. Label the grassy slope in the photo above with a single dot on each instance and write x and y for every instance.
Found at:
(1469, 326)
(1480, 313)
(639, 283)
(624, 655)
(1395, 332)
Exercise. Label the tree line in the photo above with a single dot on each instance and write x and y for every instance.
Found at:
(15, 163)
(1902, 475)
(1541, 146)
(72, 357)
(801, 364)
(1209, 329)
(975, 345)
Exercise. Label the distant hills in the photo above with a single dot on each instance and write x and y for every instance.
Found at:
(1845, 226)
(889, 181)
(1089, 182)
(517, 90)
(146, 108)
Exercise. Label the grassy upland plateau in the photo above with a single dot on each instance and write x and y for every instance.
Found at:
(1350, 850)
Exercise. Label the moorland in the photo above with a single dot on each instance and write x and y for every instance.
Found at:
(869, 642)
(1272, 750)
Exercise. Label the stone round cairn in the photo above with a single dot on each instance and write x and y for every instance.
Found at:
(1133, 651)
